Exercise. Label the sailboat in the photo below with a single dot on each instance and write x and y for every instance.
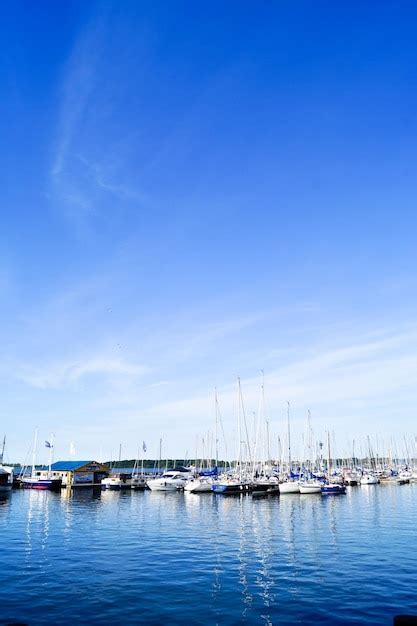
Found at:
(330, 488)
(6, 473)
(203, 481)
(238, 482)
(290, 485)
(369, 477)
(138, 481)
(119, 480)
(263, 480)
(309, 484)
(40, 479)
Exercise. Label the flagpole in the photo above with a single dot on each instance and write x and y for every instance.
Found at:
(35, 446)
(51, 451)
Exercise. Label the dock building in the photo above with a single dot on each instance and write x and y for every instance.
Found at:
(79, 473)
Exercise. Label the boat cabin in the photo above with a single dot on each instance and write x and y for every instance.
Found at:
(5, 477)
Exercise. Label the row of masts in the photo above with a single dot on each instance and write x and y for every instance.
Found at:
(255, 451)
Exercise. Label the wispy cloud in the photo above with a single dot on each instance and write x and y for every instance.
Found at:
(63, 374)
(102, 181)
(79, 84)
(79, 182)
(348, 388)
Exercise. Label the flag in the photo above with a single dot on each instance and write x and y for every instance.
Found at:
(72, 449)
(144, 447)
(48, 445)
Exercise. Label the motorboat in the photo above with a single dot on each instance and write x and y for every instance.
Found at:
(123, 480)
(171, 480)
(138, 482)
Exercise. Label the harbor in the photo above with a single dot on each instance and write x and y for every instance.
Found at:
(253, 471)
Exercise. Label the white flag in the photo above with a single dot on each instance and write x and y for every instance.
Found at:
(72, 449)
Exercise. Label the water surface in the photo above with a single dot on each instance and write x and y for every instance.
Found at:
(156, 558)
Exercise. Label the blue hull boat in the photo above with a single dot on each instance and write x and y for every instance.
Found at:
(231, 488)
(333, 490)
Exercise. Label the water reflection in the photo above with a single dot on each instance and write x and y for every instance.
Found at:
(37, 528)
(262, 522)
(288, 509)
(243, 530)
(5, 498)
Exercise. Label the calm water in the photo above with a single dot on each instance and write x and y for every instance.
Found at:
(155, 558)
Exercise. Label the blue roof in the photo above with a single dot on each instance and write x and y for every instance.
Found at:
(70, 466)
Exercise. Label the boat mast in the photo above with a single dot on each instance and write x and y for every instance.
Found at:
(280, 462)
(265, 443)
(289, 438)
(247, 443)
(216, 435)
(256, 425)
(328, 455)
(35, 445)
(51, 451)
(160, 456)
(239, 431)
(2, 450)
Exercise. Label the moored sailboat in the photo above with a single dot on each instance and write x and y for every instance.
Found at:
(238, 481)
(38, 479)
(308, 483)
(289, 485)
(331, 488)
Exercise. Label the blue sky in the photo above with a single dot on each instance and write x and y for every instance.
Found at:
(196, 191)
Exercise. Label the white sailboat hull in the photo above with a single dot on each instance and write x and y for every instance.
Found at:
(306, 488)
(369, 480)
(198, 486)
(289, 487)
